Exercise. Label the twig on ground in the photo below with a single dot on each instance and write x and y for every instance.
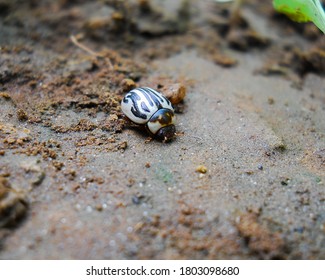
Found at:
(75, 41)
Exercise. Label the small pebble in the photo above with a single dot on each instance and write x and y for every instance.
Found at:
(201, 169)
(175, 93)
(21, 115)
(128, 84)
(135, 200)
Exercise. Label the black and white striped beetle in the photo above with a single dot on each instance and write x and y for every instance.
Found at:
(145, 106)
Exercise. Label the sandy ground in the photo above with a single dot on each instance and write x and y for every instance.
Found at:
(243, 179)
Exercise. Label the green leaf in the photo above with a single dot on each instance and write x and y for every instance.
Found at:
(302, 11)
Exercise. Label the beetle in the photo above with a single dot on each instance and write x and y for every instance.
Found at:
(145, 106)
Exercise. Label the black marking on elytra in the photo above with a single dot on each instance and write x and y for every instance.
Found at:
(154, 96)
(157, 94)
(147, 95)
(145, 107)
(135, 109)
(154, 99)
(160, 96)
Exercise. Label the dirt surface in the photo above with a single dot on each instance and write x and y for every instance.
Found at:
(243, 179)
